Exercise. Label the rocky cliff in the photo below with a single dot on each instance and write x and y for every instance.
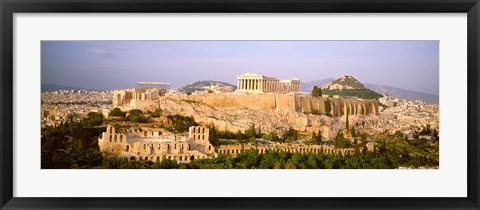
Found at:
(277, 121)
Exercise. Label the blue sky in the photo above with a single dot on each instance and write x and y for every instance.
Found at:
(411, 65)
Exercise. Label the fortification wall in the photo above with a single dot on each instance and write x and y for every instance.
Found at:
(342, 106)
(300, 103)
(306, 104)
(291, 148)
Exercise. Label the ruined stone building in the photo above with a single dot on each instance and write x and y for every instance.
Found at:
(236, 149)
(138, 144)
(146, 145)
(135, 98)
(255, 83)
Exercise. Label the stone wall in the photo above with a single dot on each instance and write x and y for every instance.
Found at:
(291, 148)
(113, 143)
(342, 106)
(300, 103)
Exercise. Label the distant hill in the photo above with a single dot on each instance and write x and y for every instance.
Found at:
(406, 94)
(382, 89)
(349, 86)
(308, 86)
(54, 87)
(200, 86)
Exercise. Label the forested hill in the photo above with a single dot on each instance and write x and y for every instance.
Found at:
(349, 86)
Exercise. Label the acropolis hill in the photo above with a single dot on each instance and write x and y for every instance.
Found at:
(279, 102)
(255, 92)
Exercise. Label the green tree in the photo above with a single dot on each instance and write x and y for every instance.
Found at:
(328, 108)
(157, 113)
(316, 92)
(319, 136)
(136, 115)
(116, 112)
(250, 132)
(398, 134)
(93, 119)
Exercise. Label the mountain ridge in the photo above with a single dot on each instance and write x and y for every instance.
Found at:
(55, 87)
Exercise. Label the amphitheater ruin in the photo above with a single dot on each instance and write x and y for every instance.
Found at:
(140, 144)
(150, 145)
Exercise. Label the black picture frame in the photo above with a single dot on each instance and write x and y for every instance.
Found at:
(10, 7)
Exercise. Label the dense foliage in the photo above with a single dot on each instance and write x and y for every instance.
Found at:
(136, 116)
(250, 159)
(180, 123)
(316, 92)
(72, 144)
(116, 112)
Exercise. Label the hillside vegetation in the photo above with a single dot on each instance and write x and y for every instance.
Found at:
(348, 86)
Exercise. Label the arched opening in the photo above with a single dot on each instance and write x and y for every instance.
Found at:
(192, 158)
(169, 157)
(140, 158)
(180, 158)
(127, 148)
(188, 147)
(110, 139)
(132, 158)
(158, 159)
(209, 148)
(144, 146)
(236, 151)
(146, 158)
(121, 137)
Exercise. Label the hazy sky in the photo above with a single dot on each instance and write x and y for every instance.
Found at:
(411, 65)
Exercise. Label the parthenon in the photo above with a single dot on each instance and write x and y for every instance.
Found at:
(255, 83)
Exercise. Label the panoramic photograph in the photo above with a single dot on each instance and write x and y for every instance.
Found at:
(240, 104)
